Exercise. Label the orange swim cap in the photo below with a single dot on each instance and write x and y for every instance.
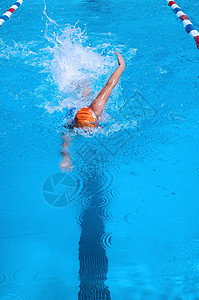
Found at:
(85, 117)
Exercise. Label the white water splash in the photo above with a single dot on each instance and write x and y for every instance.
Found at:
(76, 68)
(74, 64)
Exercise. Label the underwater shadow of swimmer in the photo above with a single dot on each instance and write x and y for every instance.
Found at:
(92, 256)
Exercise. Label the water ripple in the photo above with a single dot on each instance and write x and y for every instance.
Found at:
(107, 216)
(180, 277)
(3, 279)
(106, 240)
(24, 275)
(5, 240)
(99, 184)
(97, 191)
(79, 219)
(89, 204)
(194, 243)
(126, 218)
(173, 280)
(102, 212)
(6, 295)
(132, 275)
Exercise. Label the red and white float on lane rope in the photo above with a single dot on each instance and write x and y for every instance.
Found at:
(186, 22)
(177, 10)
(10, 11)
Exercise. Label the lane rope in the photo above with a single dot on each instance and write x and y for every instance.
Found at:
(189, 28)
(10, 11)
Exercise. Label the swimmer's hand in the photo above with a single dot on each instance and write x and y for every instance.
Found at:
(66, 165)
(121, 61)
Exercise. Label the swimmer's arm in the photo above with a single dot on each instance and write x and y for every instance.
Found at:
(113, 80)
(66, 163)
(98, 104)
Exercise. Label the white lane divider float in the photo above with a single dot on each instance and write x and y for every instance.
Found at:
(10, 11)
(186, 22)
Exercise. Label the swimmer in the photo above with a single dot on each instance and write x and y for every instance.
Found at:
(87, 117)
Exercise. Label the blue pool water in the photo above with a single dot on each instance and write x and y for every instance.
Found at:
(123, 223)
